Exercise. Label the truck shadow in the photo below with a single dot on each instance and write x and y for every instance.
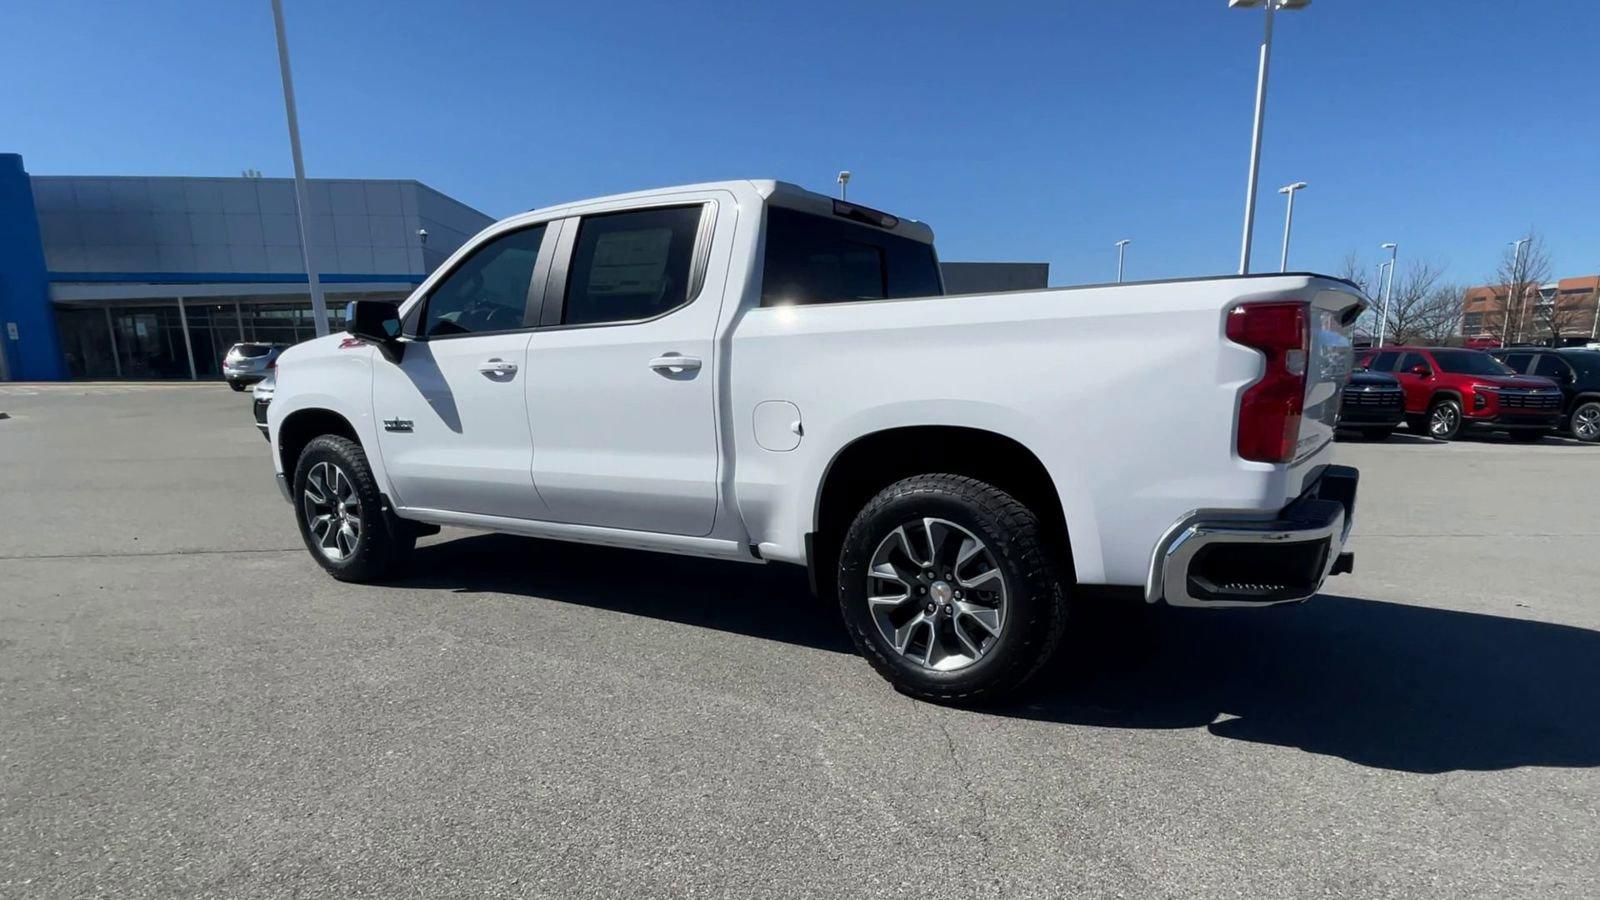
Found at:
(1409, 688)
(1386, 685)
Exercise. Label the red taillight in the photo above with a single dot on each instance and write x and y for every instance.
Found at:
(1269, 411)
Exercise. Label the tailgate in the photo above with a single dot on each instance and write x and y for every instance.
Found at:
(1333, 313)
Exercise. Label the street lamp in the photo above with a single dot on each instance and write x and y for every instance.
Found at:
(1261, 112)
(844, 179)
(1122, 245)
(1288, 221)
(302, 205)
(1388, 291)
(1516, 275)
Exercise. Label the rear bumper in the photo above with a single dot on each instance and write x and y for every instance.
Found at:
(1212, 559)
(244, 377)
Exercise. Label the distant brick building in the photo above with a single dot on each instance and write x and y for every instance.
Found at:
(1562, 312)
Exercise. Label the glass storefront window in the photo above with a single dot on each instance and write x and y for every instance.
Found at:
(144, 338)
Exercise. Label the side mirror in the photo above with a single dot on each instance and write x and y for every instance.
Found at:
(1421, 369)
(377, 321)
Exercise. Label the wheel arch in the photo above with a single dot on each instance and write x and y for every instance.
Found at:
(877, 459)
(302, 426)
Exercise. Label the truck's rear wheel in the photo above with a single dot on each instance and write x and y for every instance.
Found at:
(948, 589)
(341, 513)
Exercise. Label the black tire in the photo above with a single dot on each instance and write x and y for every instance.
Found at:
(1036, 599)
(1377, 434)
(236, 385)
(1529, 437)
(1580, 422)
(1447, 409)
(382, 542)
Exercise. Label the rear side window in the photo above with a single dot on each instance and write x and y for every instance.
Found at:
(488, 291)
(631, 265)
(1551, 366)
(823, 259)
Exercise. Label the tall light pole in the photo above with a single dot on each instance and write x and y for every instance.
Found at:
(1261, 113)
(1516, 275)
(1288, 221)
(844, 179)
(1388, 291)
(1122, 246)
(319, 308)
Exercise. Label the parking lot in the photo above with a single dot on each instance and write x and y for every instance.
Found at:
(190, 706)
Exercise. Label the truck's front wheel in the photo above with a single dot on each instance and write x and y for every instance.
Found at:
(341, 512)
(949, 590)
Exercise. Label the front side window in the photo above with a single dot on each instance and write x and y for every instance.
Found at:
(1517, 361)
(631, 265)
(1409, 361)
(489, 290)
(822, 259)
(1469, 362)
(1383, 361)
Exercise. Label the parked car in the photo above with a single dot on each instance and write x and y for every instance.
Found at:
(1449, 389)
(753, 372)
(261, 398)
(1373, 403)
(1576, 371)
(247, 363)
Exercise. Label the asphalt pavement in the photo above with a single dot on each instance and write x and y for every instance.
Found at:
(190, 707)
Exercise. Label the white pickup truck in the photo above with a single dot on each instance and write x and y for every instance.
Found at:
(754, 372)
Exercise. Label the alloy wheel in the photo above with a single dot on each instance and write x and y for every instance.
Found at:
(1444, 420)
(936, 594)
(332, 510)
(1586, 422)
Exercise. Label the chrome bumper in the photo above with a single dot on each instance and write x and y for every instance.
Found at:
(1210, 559)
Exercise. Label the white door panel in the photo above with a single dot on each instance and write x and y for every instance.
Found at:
(468, 448)
(624, 413)
(616, 442)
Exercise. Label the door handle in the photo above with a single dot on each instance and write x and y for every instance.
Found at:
(497, 366)
(675, 363)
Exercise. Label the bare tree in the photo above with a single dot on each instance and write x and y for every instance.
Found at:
(1519, 276)
(1356, 272)
(1421, 310)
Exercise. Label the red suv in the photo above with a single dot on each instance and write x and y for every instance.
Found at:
(1449, 389)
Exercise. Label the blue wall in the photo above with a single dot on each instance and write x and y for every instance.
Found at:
(24, 283)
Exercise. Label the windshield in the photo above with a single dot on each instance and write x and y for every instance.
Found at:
(1469, 362)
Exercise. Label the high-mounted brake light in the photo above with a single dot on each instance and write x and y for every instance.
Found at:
(1270, 410)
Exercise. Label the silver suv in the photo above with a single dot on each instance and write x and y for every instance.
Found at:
(248, 363)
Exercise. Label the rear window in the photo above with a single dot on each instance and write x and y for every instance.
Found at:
(1469, 362)
(251, 350)
(822, 259)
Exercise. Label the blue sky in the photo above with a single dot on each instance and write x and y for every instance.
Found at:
(1020, 131)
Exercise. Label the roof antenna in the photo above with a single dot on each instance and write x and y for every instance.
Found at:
(844, 179)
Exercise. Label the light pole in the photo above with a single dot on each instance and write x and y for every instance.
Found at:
(1288, 221)
(1261, 112)
(1122, 246)
(1388, 291)
(844, 179)
(319, 308)
(1516, 277)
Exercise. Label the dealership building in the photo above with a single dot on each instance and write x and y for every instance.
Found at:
(156, 277)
